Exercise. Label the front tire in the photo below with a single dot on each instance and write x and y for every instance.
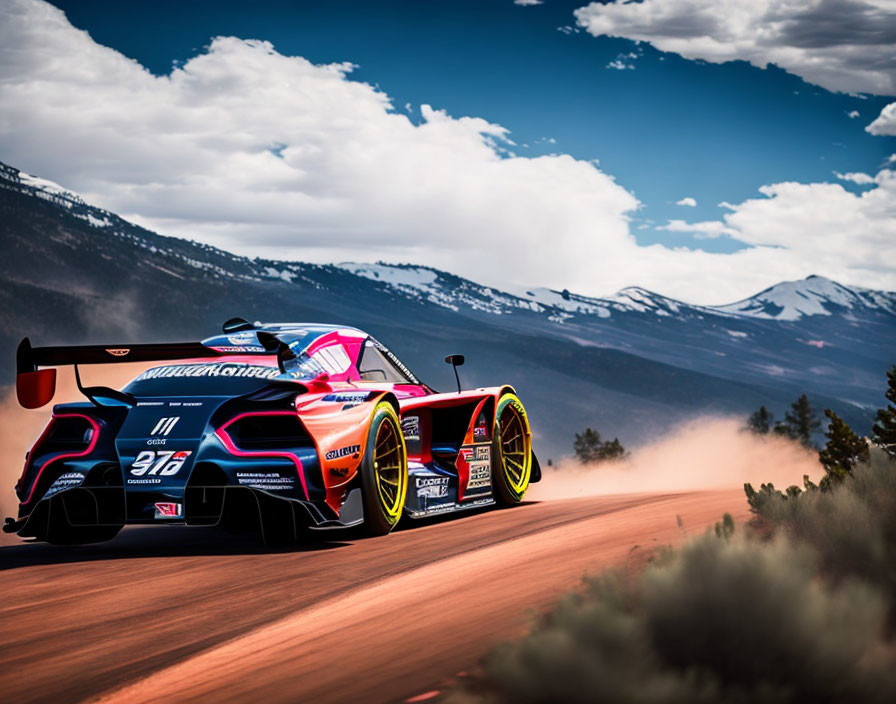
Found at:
(511, 451)
(384, 472)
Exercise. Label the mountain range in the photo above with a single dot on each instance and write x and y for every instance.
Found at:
(631, 364)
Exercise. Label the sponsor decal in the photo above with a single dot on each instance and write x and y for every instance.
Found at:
(145, 481)
(480, 430)
(169, 510)
(446, 508)
(480, 477)
(348, 398)
(269, 481)
(241, 338)
(432, 487)
(248, 348)
(69, 480)
(476, 453)
(479, 459)
(410, 428)
(164, 426)
(217, 369)
(185, 404)
(119, 351)
(150, 403)
(164, 463)
(157, 441)
(343, 452)
(339, 471)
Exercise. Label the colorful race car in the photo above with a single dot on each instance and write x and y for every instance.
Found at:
(280, 428)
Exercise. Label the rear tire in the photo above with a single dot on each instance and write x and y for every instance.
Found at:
(384, 472)
(511, 451)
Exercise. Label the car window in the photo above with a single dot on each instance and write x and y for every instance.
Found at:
(376, 363)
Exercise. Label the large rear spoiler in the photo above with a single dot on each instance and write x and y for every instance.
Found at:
(35, 386)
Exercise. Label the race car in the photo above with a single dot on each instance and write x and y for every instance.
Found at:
(277, 428)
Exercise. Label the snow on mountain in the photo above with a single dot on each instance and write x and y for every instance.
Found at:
(564, 301)
(441, 288)
(53, 192)
(815, 295)
(454, 292)
(786, 302)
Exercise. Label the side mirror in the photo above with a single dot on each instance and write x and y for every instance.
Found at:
(456, 360)
(36, 389)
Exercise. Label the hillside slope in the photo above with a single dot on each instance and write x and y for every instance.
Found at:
(630, 364)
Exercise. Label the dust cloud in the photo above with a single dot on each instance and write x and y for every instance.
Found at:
(706, 453)
(20, 427)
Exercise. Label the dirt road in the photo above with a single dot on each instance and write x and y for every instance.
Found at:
(175, 614)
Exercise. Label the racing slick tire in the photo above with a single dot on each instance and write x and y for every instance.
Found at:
(384, 472)
(511, 451)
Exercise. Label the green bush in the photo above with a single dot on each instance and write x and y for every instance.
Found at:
(852, 526)
(717, 621)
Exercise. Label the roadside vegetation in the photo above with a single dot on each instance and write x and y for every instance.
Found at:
(589, 448)
(799, 605)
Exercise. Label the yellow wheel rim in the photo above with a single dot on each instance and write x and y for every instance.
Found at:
(389, 469)
(516, 446)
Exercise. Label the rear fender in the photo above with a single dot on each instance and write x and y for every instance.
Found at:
(339, 423)
(57, 457)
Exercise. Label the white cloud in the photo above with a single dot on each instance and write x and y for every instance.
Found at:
(857, 178)
(841, 45)
(269, 155)
(885, 124)
(620, 65)
(624, 61)
(852, 114)
(821, 222)
(688, 201)
(527, 3)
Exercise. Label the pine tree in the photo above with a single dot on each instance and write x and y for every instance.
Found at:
(612, 450)
(800, 421)
(589, 447)
(760, 422)
(842, 452)
(884, 431)
(586, 445)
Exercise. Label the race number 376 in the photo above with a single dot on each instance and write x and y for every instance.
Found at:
(164, 463)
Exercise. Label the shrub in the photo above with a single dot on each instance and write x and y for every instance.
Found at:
(717, 621)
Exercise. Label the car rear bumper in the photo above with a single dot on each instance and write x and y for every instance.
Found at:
(236, 508)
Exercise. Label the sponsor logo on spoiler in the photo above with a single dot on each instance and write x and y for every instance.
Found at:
(119, 351)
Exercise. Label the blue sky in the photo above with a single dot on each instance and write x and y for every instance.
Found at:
(667, 129)
(543, 145)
